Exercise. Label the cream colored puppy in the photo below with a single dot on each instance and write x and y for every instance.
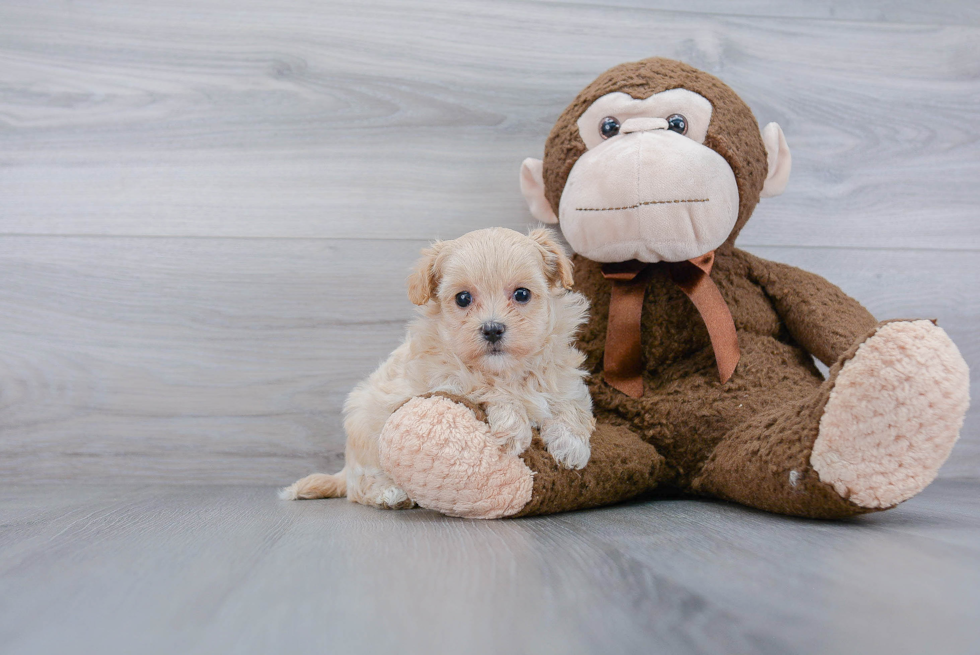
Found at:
(496, 325)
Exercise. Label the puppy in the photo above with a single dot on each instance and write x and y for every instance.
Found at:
(496, 325)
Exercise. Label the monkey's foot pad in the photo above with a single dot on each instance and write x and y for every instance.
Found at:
(443, 456)
(893, 416)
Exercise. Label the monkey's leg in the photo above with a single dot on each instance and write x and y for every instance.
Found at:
(440, 451)
(873, 435)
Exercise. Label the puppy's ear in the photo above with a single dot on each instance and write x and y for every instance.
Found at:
(557, 265)
(423, 281)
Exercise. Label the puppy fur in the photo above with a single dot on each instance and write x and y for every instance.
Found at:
(528, 377)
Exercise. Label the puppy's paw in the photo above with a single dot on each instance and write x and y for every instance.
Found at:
(375, 489)
(514, 442)
(509, 427)
(569, 449)
(394, 498)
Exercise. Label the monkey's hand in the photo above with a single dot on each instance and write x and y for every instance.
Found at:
(509, 426)
(817, 314)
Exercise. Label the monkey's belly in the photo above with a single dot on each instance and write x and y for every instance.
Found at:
(685, 410)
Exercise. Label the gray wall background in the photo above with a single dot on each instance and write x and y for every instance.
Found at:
(207, 208)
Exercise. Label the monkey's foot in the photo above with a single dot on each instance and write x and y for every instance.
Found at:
(893, 416)
(443, 455)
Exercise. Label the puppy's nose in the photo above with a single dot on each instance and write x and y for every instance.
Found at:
(493, 331)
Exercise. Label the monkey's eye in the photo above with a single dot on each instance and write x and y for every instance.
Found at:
(463, 298)
(608, 127)
(522, 295)
(677, 123)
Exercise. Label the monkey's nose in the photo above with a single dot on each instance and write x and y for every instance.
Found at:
(643, 124)
(493, 331)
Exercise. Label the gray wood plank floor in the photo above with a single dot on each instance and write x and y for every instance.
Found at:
(207, 208)
(189, 569)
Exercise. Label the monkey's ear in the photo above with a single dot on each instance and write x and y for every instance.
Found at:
(532, 186)
(423, 281)
(779, 159)
(558, 267)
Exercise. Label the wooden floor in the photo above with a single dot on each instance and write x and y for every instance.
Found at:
(208, 208)
(190, 569)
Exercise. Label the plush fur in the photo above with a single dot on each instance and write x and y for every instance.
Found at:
(487, 484)
(733, 132)
(895, 409)
(441, 447)
(529, 379)
(777, 436)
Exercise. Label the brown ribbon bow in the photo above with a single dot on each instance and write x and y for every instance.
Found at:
(623, 361)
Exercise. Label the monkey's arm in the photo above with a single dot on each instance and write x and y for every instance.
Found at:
(820, 317)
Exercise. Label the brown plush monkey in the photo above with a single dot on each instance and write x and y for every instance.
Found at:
(700, 353)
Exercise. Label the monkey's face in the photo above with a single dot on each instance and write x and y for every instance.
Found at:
(655, 161)
(647, 188)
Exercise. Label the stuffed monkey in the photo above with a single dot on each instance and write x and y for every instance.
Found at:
(700, 354)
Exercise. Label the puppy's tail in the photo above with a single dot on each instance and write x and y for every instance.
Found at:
(318, 485)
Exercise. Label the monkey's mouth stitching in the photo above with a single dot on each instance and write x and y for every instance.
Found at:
(639, 204)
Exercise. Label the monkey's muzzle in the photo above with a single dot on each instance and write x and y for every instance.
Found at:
(648, 194)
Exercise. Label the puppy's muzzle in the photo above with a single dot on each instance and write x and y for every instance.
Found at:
(493, 331)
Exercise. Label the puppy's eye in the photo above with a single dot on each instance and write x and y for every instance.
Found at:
(677, 123)
(608, 127)
(463, 298)
(522, 295)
